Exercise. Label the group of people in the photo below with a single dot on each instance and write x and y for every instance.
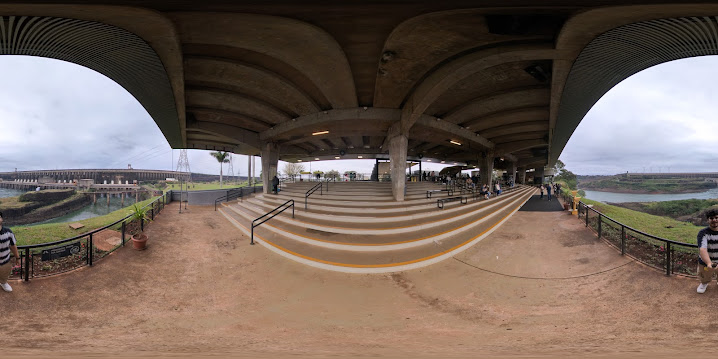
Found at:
(548, 188)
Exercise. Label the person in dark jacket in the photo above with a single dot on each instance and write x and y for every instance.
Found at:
(275, 184)
(707, 241)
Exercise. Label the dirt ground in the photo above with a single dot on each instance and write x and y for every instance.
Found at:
(542, 285)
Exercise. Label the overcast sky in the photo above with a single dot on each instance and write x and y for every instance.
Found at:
(58, 115)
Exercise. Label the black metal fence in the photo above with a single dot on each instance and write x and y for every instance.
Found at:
(667, 255)
(46, 259)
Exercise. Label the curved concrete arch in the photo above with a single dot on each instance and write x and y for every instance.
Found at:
(516, 115)
(256, 82)
(236, 134)
(165, 103)
(511, 147)
(421, 43)
(585, 35)
(515, 128)
(304, 46)
(535, 135)
(532, 96)
(215, 98)
(304, 123)
(214, 115)
(446, 76)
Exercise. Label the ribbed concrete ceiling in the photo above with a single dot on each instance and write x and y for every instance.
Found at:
(109, 50)
(508, 78)
(621, 52)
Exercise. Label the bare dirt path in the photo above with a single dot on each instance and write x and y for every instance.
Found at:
(542, 285)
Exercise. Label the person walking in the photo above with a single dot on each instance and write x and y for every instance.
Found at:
(707, 241)
(541, 189)
(8, 244)
(548, 191)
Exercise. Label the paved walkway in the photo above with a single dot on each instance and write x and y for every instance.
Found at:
(541, 285)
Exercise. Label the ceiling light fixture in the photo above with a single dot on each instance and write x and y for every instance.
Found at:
(320, 133)
(316, 159)
(299, 160)
(337, 157)
(455, 142)
(360, 157)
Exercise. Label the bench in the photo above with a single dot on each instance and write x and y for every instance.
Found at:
(462, 199)
(449, 192)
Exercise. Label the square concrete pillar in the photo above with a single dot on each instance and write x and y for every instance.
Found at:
(398, 146)
(270, 159)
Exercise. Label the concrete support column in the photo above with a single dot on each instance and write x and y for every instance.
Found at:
(486, 169)
(512, 172)
(398, 146)
(249, 170)
(522, 175)
(538, 175)
(270, 159)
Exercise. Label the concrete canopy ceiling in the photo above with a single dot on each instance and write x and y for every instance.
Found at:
(505, 78)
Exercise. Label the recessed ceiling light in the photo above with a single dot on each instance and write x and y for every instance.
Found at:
(455, 142)
(428, 160)
(316, 159)
(320, 133)
(443, 161)
(360, 157)
(337, 157)
(299, 160)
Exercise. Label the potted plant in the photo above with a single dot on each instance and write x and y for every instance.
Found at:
(138, 216)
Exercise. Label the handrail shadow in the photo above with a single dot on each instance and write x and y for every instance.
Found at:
(285, 205)
(312, 190)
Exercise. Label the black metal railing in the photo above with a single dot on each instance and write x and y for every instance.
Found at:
(71, 253)
(231, 194)
(284, 206)
(660, 253)
(311, 191)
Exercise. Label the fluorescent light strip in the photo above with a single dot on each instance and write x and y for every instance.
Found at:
(320, 133)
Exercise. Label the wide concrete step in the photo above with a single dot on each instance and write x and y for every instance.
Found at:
(367, 256)
(347, 230)
(427, 209)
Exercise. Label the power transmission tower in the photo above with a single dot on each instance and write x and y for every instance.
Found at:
(230, 170)
(182, 167)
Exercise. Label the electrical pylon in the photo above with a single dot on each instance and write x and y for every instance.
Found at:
(183, 166)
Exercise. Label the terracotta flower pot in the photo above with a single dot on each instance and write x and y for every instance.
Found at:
(139, 241)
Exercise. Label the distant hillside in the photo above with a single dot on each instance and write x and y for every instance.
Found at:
(622, 184)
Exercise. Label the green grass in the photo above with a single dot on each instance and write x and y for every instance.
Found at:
(206, 186)
(658, 226)
(45, 233)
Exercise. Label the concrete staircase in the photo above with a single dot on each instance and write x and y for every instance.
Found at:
(357, 227)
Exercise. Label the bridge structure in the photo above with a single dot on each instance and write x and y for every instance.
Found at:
(106, 177)
(493, 83)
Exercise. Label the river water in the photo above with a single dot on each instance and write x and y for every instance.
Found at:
(633, 197)
(100, 208)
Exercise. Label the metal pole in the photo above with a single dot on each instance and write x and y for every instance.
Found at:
(123, 233)
(623, 240)
(599, 224)
(668, 258)
(251, 241)
(27, 264)
(89, 248)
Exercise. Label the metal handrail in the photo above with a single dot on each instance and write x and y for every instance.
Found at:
(160, 202)
(583, 207)
(312, 190)
(231, 194)
(268, 213)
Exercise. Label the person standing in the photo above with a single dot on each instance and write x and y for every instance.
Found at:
(541, 189)
(275, 184)
(548, 191)
(8, 244)
(707, 241)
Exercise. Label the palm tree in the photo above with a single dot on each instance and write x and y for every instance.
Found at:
(222, 157)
